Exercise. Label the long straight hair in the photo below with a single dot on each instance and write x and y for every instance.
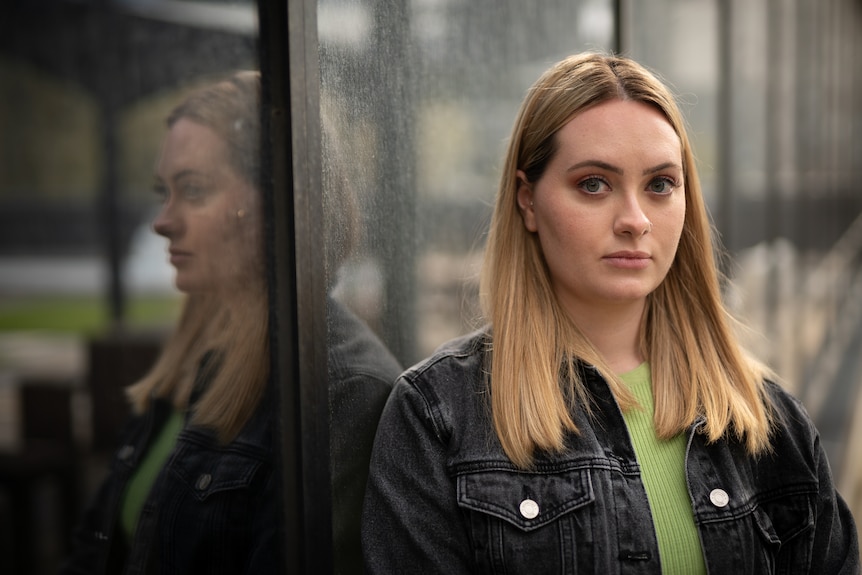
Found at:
(230, 323)
(699, 368)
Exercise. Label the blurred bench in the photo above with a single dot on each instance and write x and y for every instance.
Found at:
(45, 458)
(50, 458)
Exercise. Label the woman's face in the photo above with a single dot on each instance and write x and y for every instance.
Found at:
(610, 206)
(209, 212)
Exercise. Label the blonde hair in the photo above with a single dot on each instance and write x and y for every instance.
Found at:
(221, 341)
(698, 366)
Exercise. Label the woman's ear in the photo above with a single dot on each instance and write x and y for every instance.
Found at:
(525, 201)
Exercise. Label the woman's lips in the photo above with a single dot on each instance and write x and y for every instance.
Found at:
(628, 260)
(179, 257)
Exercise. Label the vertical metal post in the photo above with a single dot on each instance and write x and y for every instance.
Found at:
(109, 211)
(622, 26)
(724, 173)
(294, 208)
(774, 36)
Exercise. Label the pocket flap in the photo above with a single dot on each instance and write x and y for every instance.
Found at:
(780, 519)
(206, 471)
(526, 500)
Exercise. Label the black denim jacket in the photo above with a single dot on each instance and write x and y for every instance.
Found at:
(212, 509)
(443, 497)
(215, 509)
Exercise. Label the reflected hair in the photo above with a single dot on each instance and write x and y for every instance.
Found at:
(698, 366)
(231, 108)
(219, 350)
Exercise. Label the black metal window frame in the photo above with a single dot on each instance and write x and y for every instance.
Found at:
(294, 204)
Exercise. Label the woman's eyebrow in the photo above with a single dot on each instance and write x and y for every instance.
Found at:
(661, 167)
(617, 170)
(175, 177)
(595, 164)
(186, 173)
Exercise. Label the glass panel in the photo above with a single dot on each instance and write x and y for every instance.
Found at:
(87, 291)
(417, 99)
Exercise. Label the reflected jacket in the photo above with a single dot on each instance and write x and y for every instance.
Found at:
(215, 508)
(443, 497)
(212, 509)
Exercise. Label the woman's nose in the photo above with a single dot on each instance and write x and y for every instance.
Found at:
(631, 218)
(165, 223)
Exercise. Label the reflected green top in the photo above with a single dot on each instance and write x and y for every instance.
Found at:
(662, 465)
(143, 478)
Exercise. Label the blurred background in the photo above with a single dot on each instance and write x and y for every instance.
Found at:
(421, 95)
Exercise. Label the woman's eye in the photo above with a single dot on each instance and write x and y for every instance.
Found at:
(192, 192)
(161, 192)
(592, 185)
(661, 186)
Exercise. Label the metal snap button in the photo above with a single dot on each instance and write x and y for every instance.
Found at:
(529, 509)
(719, 497)
(204, 481)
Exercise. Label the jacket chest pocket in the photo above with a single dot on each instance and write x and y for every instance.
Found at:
(769, 533)
(206, 473)
(786, 527)
(207, 509)
(214, 487)
(527, 522)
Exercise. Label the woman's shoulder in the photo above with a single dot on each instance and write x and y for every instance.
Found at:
(791, 421)
(448, 379)
(781, 399)
(460, 355)
(446, 395)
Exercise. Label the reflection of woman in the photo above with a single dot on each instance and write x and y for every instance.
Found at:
(195, 486)
(607, 420)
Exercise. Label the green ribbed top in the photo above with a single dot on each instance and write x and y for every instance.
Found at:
(142, 479)
(662, 465)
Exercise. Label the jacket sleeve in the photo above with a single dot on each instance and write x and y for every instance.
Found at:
(265, 555)
(355, 404)
(836, 543)
(411, 522)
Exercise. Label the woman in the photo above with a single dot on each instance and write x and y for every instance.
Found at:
(607, 420)
(195, 486)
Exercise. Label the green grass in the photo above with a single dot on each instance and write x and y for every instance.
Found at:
(82, 314)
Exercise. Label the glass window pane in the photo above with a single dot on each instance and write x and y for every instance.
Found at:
(419, 97)
(88, 294)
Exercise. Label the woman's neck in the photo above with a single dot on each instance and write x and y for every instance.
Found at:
(615, 333)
